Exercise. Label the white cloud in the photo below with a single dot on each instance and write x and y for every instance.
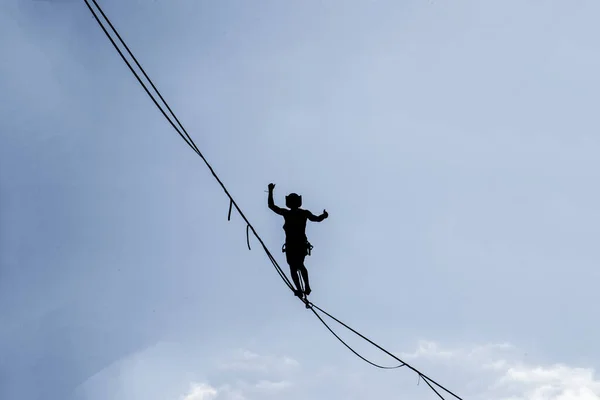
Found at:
(244, 360)
(290, 362)
(246, 373)
(204, 391)
(229, 392)
(427, 349)
(201, 391)
(269, 386)
(498, 372)
(432, 350)
(559, 382)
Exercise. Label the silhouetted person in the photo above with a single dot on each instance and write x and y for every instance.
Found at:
(296, 243)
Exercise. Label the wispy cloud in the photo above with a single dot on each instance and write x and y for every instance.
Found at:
(499, 372)
(238, 390)
(204, 391)
(245, 360)
(433, 350)
(553, 382)
(269, 386)
(201, 391)
(244, 373)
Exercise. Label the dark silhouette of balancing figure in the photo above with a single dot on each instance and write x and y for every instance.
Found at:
(296, 245)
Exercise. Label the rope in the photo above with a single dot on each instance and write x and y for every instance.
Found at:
(190, 142)
(186, 137)
(345, 344)
(425, 377)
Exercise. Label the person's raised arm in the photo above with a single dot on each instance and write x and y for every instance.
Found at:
(320, 218)
(272, 205)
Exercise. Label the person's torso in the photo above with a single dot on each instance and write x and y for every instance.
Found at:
(295, 224)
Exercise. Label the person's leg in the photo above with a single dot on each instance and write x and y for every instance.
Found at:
(296, 279)
(304, 272)
(293, 263)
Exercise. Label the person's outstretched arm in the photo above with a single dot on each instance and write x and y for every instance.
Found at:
(320, 218)
(272, 205)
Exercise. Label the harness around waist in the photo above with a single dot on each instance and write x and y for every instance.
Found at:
(303, 245)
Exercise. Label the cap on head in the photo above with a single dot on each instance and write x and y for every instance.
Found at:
(293, 200)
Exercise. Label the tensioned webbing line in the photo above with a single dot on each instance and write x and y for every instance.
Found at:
(186, 137)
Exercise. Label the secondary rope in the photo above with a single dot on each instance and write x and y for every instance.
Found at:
(425, 377)
(350, 348)
(186, 137)
(190, 142)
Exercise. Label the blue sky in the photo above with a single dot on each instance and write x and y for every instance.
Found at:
(454, 144)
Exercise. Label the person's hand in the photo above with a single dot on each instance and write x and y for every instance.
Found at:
(325, 214)
(271, 186)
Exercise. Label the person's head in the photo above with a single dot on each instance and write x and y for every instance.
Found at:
(293, 201)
